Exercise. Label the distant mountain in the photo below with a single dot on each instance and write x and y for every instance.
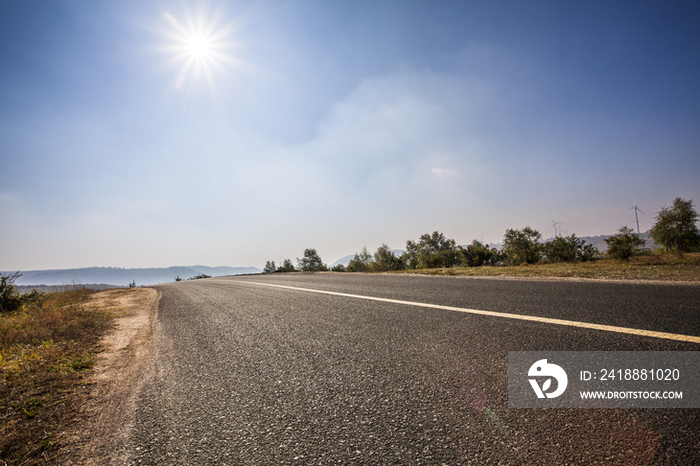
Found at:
(344, 261)
(123, 277)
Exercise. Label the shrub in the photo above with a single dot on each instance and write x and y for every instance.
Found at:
(338, 268)
(287, 266)
(285, 269)
(625, 244)
(442, 259)
(33, 299)
(568, 249)
(478, 254)
(10, 300)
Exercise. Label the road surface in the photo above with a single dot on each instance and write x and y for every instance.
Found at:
(251, 374)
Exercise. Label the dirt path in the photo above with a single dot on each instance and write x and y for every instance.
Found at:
(109, 398)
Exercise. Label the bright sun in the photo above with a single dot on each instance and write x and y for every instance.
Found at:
(197, 47)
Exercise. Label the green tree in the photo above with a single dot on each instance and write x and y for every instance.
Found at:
(311, 262)
(625, 244)
(420, 254)
(269, 267)
(522, 246)
(568, 249)
(385, 260)
(338, 268)
(437, 242)
(362, 262)
(410, 257)
(676, 227)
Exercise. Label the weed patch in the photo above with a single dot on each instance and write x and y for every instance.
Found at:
(46, 349)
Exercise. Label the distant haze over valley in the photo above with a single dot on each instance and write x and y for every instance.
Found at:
(123, 277)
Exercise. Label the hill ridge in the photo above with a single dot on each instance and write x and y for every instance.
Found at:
(122, 276)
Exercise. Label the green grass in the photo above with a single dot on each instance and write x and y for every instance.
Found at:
(670, 267)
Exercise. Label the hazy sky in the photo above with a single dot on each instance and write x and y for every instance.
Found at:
(149, 134)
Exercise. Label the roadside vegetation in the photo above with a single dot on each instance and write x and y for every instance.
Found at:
(675, 232)
(665, 267)
(47, 345)
(196, 277)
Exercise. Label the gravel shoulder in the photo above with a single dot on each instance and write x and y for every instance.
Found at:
(108, 398)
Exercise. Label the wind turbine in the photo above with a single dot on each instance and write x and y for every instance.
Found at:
(556, 226)
(636, 209)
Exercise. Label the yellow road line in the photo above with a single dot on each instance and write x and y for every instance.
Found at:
(505, 315)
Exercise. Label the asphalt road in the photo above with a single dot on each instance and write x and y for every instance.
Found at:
(259, 375)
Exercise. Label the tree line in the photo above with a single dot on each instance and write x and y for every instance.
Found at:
(675, 231)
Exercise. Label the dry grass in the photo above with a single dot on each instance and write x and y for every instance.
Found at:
(45, 351)
(669, 267)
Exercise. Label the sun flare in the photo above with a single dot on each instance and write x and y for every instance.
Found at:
(198, 47)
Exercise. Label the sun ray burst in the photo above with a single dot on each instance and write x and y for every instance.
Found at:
(199, 48)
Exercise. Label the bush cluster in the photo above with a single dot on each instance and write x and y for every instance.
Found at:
(434, 250)
(11, 300)
(675, 229)
(524, 247)
(311, 262)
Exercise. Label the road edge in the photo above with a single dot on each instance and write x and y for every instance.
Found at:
(108, 401)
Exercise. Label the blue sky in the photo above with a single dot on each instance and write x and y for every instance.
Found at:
(149, 134)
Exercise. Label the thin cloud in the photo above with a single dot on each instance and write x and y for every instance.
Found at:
(441, 172)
